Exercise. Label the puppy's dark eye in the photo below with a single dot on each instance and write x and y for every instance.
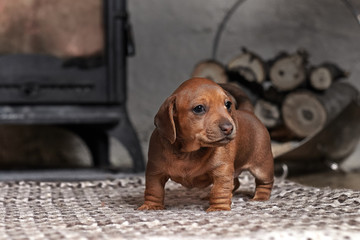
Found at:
(199, 109)
(228, 105)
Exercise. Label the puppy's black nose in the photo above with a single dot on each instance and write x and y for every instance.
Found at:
(226, 128)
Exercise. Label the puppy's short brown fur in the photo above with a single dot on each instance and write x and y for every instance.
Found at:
(203, 138)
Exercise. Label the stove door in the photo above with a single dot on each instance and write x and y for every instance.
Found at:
(46, 79)
(57, 60)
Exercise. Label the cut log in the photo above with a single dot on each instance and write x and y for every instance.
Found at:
(268, 113)
(287, 72)
(282, 134)
(212, 70)
(249, 65)
(321, 77)
(304, 112)
(284, 147)
(271, 94)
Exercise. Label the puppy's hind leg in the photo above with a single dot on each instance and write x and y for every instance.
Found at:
(264, 180)
(263, 190)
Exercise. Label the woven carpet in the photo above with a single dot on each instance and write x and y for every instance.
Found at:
(105, 209)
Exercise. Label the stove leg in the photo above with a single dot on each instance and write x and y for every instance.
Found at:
(97, 140)
(99, 147)
(126, 134)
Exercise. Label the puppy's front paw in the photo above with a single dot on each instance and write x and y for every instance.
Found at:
(259, 199)
(218, 208)
(145, 207)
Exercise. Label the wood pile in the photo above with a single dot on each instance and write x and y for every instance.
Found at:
(293, 98)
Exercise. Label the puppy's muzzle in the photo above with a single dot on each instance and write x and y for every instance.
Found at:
(226, 128)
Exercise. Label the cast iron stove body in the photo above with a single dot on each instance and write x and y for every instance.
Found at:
(85, 95)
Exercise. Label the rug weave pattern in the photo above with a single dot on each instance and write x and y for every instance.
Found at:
(106, 210)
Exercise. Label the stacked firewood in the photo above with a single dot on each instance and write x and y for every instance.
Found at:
(293, 98)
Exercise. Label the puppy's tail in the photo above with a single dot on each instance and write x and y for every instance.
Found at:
(242, 100)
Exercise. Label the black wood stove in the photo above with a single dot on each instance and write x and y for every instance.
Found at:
(84, 95)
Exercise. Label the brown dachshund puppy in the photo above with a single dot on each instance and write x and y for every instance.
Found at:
(202, 139)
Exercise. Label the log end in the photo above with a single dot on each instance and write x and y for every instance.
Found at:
(268, 113)
(288, 73)
(212, 70)
(321, 78)
(248, 65)
(303, 113)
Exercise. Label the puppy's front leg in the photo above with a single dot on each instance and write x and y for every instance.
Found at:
(221, 191)
(154, 192)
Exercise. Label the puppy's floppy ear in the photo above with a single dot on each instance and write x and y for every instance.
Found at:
(233, 100)
(242, 101)
(164, 119)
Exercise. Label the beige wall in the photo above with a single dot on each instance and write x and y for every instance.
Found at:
(172, 35)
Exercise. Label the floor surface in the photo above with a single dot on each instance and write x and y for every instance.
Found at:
(323, 179)
(330, 179)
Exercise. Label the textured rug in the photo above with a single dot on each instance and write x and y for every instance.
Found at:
(105, 209)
